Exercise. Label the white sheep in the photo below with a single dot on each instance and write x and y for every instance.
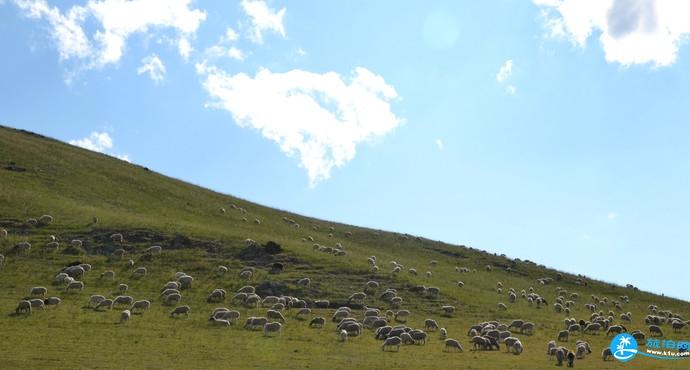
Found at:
(142, 305)
(122, 288)
(139, 272)
(107, 303)
(23, 307)
(272, 327)
(502, 306)
(52, 301)
(154, 249)
(79, 285)
(185, 281)
(392, 342)
(173, 298)
(124, 316)
(124, 300)
(343, 335)
(179, 310)
(306, 282)
(95, 299)
(246, 274)
(39, 290)
(452, 344)
(222, 270)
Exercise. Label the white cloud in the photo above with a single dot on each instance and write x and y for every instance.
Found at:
(319, 117)
(97, 142)
(236, 54)
(152, 65)
(612, 215)
(100, 142)
(439, 144)
(511, 89)
(70, 38)
(505, 71)
(263, 19)
(301, 52)
(185, 48)
(115, 20)
(230, 36)
(630, 31)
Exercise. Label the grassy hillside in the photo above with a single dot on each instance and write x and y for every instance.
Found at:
(41, 176)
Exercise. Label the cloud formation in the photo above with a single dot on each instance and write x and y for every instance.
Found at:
(630, 31)
(100, 142)
(319, 117)
(153, 66)
(263, 19)
(504, 73)
(115, 21)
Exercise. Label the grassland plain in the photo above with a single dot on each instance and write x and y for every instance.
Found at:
(40, 176)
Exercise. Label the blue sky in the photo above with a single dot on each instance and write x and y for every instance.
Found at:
(550, 130)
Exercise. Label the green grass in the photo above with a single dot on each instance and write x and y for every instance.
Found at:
(75, 185)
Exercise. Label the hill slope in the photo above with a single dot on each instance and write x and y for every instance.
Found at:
(41, 176)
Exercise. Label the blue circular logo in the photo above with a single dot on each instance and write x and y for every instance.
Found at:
(623, 347)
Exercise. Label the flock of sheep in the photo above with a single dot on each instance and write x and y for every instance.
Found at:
(388, 325)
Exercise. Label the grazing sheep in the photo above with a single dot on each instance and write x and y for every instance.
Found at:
(418, 336)
(217, 295)
(39, 290)
(563, 335)
(139, 272)
(179, 310)
(273, 314)
(3, 233)
(527, 328)
(52, 246)
(305, 282)
(173, 298)
(154, 249)
(219, 321)
(247, 289)
(430, 325)
(117, 238)
(516, 324)
(343, 335)
(122, 288)
(229, 315)
(402, 315)
(517, 347)
(606, 354)
(142, 305)
(452, 344)
(108, 275)
(322, 303)
(95, 299)
(107, 303)
(615, 329)
(677, 325)
(124, 316)
(246, 274)
(222, 270)
(317, 322)
(575, 328)
(560, 356)
(123, 300)
(171, 285)
(185, 281)
(592, 328)
(655, 331)
(22, 247)
(79, 285)
(271, 328)
(549, 347)
(443, 333)
(302, 312)
(392, 342)
(359, 297)
(130, 263)
(571, 359)
(52, 301)
(23, 307)
(502, 306)
(447, 310)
